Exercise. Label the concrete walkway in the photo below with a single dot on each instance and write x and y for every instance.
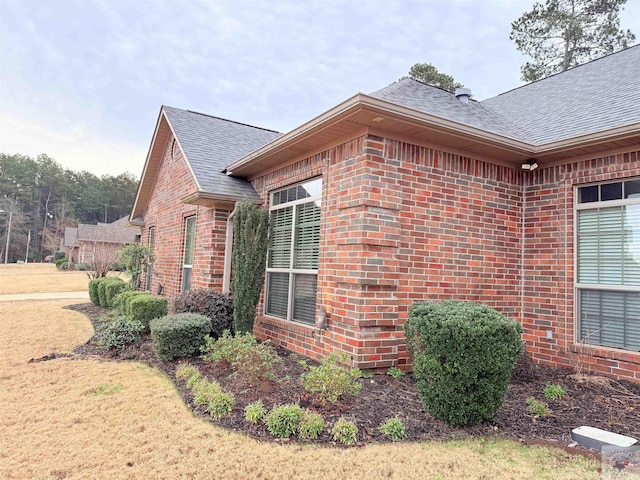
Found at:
(44, 296)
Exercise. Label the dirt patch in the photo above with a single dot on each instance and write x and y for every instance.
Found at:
(592, 401)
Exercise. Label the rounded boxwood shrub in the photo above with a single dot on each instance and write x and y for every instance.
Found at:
(93, 290)
(121, 301)
(206, 301)
(463, 356)
(179, 335)
(145, 308)
(113, 288)
(102, 291)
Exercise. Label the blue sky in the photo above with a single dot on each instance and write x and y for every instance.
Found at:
(83, 81)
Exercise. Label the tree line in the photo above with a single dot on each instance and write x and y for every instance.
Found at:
(43, 198)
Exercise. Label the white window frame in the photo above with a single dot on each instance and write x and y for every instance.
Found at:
(184, 251)
(291, 270)
(578, 286)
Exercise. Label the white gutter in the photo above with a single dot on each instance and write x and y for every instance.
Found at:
(228, 251)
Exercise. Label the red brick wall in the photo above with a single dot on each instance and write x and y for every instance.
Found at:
(402, 223)
(549, 265)
(167, 213)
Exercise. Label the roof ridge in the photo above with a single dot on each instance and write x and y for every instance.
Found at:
(564, 71)
(230, 121)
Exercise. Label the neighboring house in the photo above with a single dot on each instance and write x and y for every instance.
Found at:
(84, 243)
(528, 202)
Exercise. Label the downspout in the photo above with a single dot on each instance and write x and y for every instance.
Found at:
(522, 243)
(228, 252)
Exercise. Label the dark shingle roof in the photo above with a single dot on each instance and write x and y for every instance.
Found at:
(440, 103)
(212, 143)
(593, 97)
(596, 96)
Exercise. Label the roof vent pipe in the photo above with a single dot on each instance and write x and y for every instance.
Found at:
(463, 94)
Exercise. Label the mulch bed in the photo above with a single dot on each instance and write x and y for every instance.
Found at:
(591, 400)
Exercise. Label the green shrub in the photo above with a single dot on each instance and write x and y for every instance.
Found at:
(254, 412)
(538, 408)
(206, 301)
(330, 379)
(112, 289)
(311, 424)
(283, 420)
(58, 263)
(121, 301)
(395, 372)
(463, 356)
(59, 255)
(554, 392)
(102, 290)
(93, 290)
(220, 404)
(366, 374)
(250, 244)
(393, 428)
(203, 391)
(187, 373)
(253, 360)
(83, 267)
(118, 332)
(145, 308)
(345, 432)
(132, 257)
(179, 335)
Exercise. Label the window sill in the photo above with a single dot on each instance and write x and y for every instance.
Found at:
(290, 326)
(606, 352)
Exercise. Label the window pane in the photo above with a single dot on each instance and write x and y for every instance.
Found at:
(307, 243)
(610, 318)
(304, 298)
(277, 294)
(588, 194)
(280, 247)
(189, 240)
(632, 189)
(186, 278)
(611, 191)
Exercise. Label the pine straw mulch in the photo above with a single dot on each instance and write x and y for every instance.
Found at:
(591, 400)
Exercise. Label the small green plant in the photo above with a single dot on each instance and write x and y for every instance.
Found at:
(254, 412)
(187, 373)
(311, 424)
(537, 407)
(253, 360)
(345, 432)
(220, 404)
(330, 379)
(554, 392)
(393, 428)
(366, 374)
(204, 391)
(106, 389)
(395, 372)
(145, 308)
(283, 420)
(118, 332)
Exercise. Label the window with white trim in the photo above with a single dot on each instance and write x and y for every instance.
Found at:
(608, 264)
(292, 259)
(189, 247)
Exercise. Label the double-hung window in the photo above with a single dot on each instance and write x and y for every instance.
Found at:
(608, 264)
(292, 259)
(149, 269)
(189, 247)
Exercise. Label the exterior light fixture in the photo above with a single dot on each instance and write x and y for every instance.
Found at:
(530, 165)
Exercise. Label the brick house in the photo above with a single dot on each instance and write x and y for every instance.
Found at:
(84, 242)
(528, 202)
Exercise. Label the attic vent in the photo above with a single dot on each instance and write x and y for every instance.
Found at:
(463, 94)
(174, 149)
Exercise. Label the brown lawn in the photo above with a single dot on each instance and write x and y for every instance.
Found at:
(84, 419)
(40, 277)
